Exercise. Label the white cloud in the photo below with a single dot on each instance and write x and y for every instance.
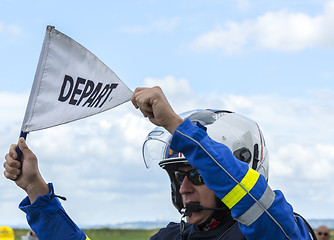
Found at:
(229, 39)
(175, 90)
(161, 25)
(303, 162)
(167, 25)
(10, 29)
(243, 4)
(283, 30)
(138, 29)
(14, 29)
(15, 110)
(170, 85)
(97, 161)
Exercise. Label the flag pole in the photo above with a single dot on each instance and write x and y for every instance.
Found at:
(18, 150)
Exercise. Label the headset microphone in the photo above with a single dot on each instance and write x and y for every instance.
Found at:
(189, 209)
(196, 207)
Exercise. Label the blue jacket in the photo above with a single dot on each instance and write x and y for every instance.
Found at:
(49, 220)
(227, 230)
(261, 213)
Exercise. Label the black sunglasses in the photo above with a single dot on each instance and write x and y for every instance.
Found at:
(324, 233)
(193, 176)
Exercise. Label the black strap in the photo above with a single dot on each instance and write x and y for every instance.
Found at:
(61, 197)
(310, 229)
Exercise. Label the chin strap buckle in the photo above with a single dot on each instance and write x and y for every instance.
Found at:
(182, 222)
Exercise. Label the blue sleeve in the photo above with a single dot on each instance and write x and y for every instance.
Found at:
(49, 220)
(261, 212)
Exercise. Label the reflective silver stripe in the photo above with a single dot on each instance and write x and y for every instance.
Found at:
(255, 211)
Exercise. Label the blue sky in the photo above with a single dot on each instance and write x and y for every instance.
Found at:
(163, 38)
(269, 60)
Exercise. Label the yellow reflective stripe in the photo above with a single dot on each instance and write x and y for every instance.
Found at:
(237, 193)
(87, 238)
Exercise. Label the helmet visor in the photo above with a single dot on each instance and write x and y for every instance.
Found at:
(155, 145)
(157, 142)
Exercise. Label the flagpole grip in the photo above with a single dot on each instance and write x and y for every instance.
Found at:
(18, 150)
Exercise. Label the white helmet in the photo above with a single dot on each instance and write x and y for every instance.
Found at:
(240, 134)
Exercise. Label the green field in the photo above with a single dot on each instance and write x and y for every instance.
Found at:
(113, 234)
(105, 234)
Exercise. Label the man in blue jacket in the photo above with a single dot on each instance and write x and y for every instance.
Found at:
(219, 183)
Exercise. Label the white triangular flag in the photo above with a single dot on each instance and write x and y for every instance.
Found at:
(70, 83)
